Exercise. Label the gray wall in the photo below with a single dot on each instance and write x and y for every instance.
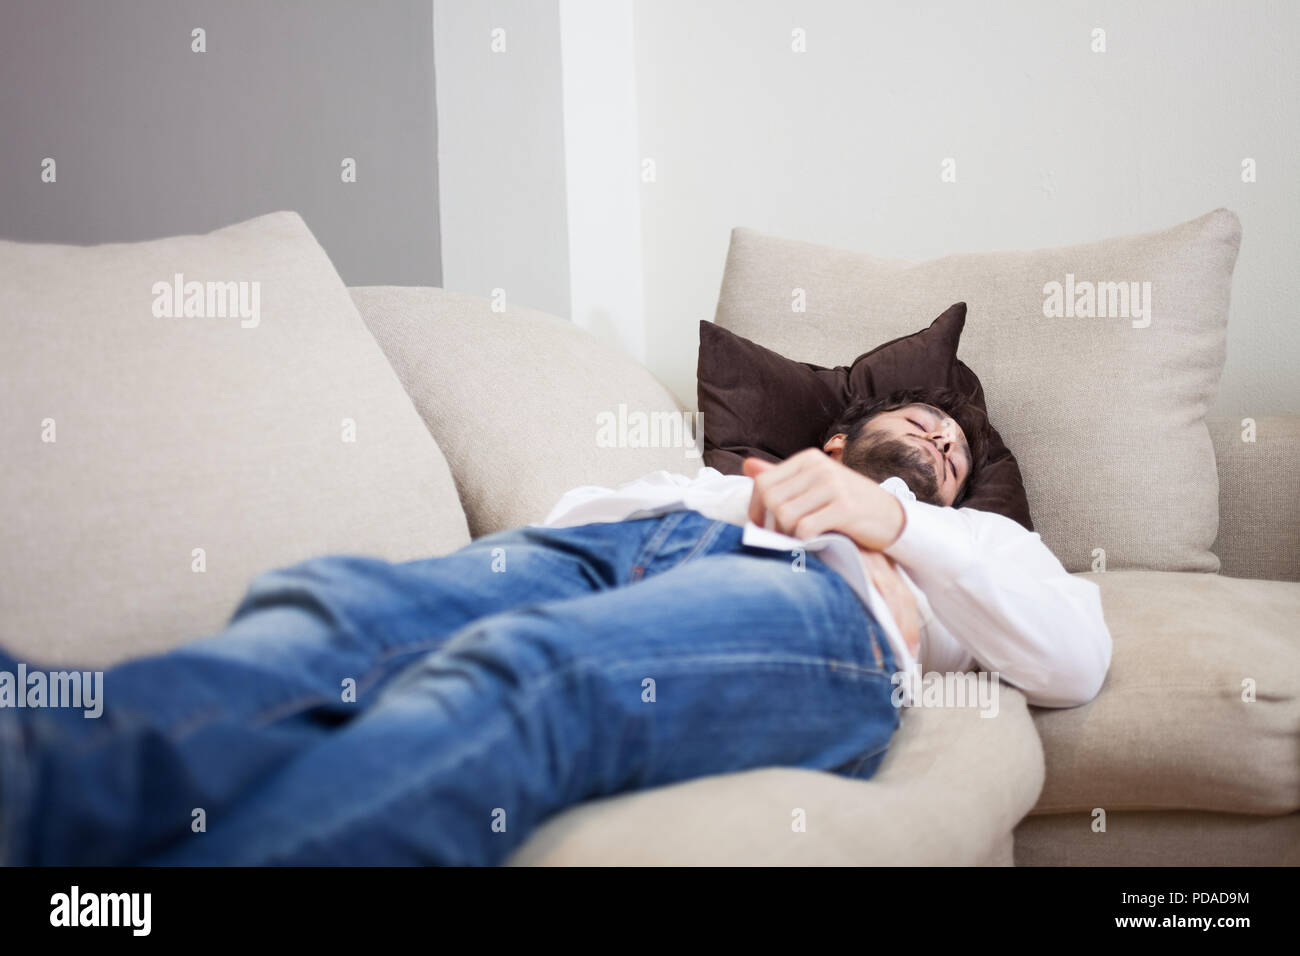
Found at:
(151, 139)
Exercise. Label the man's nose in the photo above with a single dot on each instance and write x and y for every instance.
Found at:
(944, 434)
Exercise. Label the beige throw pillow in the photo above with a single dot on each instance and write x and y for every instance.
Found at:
(1098, 361)
(525, 405)
(160, 449)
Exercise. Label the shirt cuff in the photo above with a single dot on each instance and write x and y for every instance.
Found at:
(935, 542)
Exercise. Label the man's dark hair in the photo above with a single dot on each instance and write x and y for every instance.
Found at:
(972, 419)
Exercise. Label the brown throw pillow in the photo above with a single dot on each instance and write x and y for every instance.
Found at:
(757, 403)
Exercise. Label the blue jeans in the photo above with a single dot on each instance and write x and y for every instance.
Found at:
(356, 711)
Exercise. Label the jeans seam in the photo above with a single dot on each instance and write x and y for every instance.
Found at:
(298, 704)
(498, 728)
(651, 548)
(708, 537)
(875, 630)
(832, 664)
(294, 705)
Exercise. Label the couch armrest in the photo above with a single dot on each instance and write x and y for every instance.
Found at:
(1259, 497)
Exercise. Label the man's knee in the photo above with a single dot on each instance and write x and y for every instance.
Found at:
(519, 672)
(323, 586)
(527, 659)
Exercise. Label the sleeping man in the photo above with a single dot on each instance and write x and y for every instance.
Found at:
(356, 711)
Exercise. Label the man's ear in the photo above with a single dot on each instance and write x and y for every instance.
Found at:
(835, 447)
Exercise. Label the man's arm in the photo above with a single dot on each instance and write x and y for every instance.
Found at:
(1005, 597)
(810, 493)
(994, 586)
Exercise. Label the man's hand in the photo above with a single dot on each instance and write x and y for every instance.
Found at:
(811, 493)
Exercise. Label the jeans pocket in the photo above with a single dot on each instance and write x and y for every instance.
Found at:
(877, 644)
(681, 537)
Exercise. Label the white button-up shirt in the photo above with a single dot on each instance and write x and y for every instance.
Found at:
(990, 595)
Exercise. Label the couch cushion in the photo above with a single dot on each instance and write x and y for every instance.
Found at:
(224, 434)
(1105, 415)
(525, 405)
(1170, 729)
(1158, 838)
(1259, 510)
(950, 790)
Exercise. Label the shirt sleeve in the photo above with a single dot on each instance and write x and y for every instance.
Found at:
(1006, 598)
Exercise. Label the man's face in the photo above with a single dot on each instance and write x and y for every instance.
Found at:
(919, 444)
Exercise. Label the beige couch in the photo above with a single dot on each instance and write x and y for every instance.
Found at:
(192, 453)
(1186, 772)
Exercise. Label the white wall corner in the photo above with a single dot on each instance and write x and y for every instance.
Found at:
(602, 171)
(501, 179)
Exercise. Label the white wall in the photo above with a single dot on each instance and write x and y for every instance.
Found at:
(601, 152)
(1054, 144)
(538, 159)
(842, 145)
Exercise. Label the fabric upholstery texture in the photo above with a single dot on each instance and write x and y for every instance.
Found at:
(1259, 496)
(1106, 415)
(1159, 838)
(758, 403)
(525, 405)
(1170, 728)
(179, 433)
(948, 792)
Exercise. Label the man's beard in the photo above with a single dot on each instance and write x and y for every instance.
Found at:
(880, 458)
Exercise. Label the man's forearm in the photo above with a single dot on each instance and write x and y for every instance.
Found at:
(810, 494)
(881, 526)
(999, 593)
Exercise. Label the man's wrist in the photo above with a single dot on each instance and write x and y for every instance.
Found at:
(900, 524)
(884, 527)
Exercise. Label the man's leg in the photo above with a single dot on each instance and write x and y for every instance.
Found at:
(727, 659)
(191, 729)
